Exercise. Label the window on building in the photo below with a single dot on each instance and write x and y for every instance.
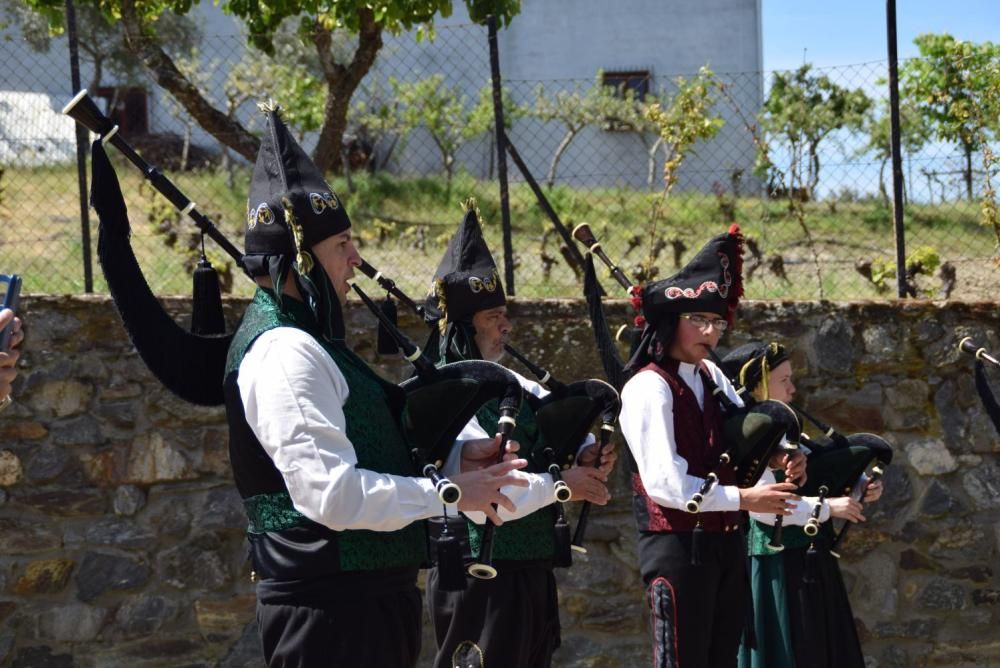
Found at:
(637, 81)
(625, 83)
(127, 107)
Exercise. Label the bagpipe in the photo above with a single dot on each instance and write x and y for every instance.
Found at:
(751, 433)
(789, 445)
(439, 400)
(982, 383)
(843, 466)
(564, 417)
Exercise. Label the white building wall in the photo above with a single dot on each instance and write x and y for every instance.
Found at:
(562, 43)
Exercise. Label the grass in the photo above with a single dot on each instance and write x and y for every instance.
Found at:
(404, 224)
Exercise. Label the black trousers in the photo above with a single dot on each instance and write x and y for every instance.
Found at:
(341, 626)
(511, 621)
(697, 612)
(822, 624)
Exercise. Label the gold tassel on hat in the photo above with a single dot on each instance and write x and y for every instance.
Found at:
(471, 204)
(268, 106)
(303, 260)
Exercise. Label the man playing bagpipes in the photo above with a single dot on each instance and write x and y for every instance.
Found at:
(320, 445)
(318, 454)
(796, 623)
(691, 555)
(513, 618)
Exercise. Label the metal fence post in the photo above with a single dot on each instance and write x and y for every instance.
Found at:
(897, 162)
(508, 247)
(81, 150)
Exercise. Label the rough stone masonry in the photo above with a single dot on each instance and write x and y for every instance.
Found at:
(121, 534)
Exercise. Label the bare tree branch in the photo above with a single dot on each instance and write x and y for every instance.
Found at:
(227, 130)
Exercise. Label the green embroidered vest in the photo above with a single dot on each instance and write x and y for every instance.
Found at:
(372, 426)
(530, 537)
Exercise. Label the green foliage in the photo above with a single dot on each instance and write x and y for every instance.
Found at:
(263, 18)
(801, 110)
(988, 207)
(921, 260)
(600, 105)
(955, 86)
(325, 84)
(100, 37)
(914, 133)
(445, 113)
(686, 120)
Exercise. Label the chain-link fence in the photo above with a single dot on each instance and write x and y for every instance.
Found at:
(419, 141)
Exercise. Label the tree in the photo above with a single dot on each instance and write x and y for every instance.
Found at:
(446, 114)
(914, 133)
(801, 110)
(576, 110)
(955, 85)
(319, 23)
(101, 42)
(685, 119)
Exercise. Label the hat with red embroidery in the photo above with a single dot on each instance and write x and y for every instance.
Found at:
(712, 282)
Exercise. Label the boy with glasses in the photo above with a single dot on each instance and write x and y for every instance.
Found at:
(672, 422)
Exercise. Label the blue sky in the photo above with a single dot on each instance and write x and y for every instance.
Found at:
(844, 32)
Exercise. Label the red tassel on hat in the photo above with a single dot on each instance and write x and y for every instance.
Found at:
(736, 289)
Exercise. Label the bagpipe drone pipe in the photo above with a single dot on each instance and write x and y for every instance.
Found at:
(843, 466)
(982, 383)
(160, 341)
(751, 433)
(439, 401)
(563, 419)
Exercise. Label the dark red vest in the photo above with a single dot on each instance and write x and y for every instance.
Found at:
(698, 435)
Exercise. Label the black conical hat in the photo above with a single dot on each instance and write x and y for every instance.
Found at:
(285, 178)
(712, 282)
(467, 280)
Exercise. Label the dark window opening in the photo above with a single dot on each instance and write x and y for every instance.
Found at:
(627, 84)
(127, 107)
(636, 81)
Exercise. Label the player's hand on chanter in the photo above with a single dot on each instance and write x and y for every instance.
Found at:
(776, 499)
(873, 491)
(587, 483)
(795, 467)
(846, 508)
(792, 464)
(481, 488)
(483, 452)
(588, 456)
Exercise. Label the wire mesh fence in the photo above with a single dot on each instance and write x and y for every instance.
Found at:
(420, 140)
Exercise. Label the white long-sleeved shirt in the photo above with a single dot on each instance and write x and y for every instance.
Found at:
(293, 395)
(540, 490)
(801, 509)
(647, 421)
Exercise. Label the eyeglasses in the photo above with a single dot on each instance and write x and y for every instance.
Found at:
(701, 322)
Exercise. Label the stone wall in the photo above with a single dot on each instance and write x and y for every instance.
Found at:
(121, 536)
